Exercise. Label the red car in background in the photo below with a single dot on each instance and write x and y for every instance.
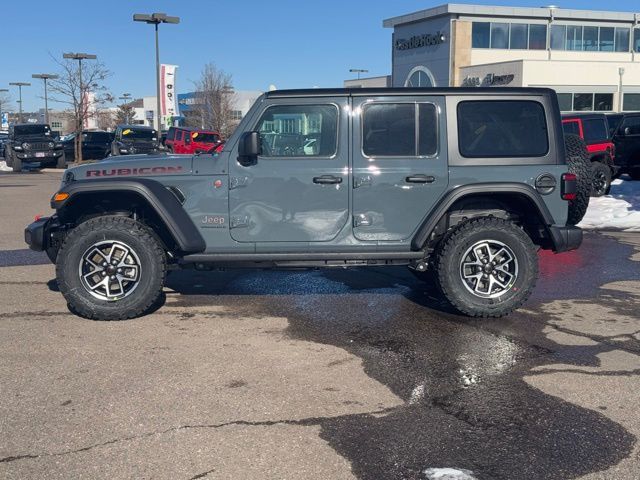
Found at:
(594, 130)
(191, 140)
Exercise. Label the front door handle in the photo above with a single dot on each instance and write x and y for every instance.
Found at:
(327, 180)
(420, 178)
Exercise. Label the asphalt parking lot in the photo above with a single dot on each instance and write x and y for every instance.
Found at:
(333, 374)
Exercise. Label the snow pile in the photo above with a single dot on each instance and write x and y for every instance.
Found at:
(448, 474)
(4, 168)
(620, 210)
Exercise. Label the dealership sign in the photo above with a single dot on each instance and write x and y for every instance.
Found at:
(490, 80)
(424, 40)
(168, 96)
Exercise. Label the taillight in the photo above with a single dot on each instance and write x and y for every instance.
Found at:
(569, 187)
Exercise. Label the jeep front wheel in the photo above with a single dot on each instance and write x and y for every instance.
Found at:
(487, 267)
(111, 268)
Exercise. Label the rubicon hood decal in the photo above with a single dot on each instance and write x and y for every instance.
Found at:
(117, 172)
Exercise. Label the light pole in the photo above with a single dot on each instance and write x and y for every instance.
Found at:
(156, 19)
(20, 85)
(126, 97)
(358, 71)
(2, 90)
(45, 77)
(78, 139)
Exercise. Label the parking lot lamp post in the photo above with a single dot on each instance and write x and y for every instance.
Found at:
(45, 77)
(2, 90)
(358, 71)
(20, 85)
(156, 19)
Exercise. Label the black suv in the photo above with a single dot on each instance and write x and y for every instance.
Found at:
(34, 145)
(624, 129)
(96, 145)
(134, 139)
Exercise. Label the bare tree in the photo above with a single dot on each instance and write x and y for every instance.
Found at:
(125, 113)
(82, 99)
(106, 119)
(213, 101)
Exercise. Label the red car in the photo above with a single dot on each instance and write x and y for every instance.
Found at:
(191, 140)
(594, 130)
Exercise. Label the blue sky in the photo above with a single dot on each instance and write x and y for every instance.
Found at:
(289, 43)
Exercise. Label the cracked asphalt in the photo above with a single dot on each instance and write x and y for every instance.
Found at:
(323, 374)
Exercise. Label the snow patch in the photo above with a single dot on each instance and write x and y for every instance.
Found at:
(4, 168)
(619, 210)
(448, 474)
(417, 394)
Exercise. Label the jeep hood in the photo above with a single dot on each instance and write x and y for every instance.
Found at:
(134, 166)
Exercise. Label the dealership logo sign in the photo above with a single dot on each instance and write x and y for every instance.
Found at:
(418, 41)
(490, 80)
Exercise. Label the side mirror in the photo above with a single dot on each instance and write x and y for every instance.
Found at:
(249, 148)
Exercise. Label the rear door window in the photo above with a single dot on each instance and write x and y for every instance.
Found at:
(502, 129)
(595, 130)
(390, 130)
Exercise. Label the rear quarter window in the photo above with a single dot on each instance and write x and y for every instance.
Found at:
(571, 127)
(502, 129)
(595, 130)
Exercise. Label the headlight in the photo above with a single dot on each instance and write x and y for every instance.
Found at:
(124, 150)
(17, 148)
(51, 144)
(26, 146)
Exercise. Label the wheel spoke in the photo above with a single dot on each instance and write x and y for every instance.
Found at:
(488, 269)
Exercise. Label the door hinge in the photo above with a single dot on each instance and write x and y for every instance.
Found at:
(362, 220)
(361, 181)
(239, 221)
(236, 182)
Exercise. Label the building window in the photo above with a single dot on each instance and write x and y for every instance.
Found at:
(235, 114)
(607, 36)
(537, 37)
(585, 102)
(622, 39)
(590, 40)
(636, 39)
(56, 125)
(631, 102)
(480, 34)
(518, 36)
(574, 37)
(500, 35)
(565, 101)
(558, 36)
(481, 127)
(420, 77)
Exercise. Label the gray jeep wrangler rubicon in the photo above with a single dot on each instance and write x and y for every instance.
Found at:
(463, 185)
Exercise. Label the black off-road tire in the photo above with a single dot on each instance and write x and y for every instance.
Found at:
(451, 253)
(62, 161)
(7, 157)
(601, 184)
(578, 162)
(124, 230)
(16, 164)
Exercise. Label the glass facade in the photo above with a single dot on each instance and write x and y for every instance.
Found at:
(523, 36)
(631, 102)
(585, 102)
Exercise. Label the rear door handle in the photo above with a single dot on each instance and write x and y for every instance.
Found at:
(420, 178)
(327, 180)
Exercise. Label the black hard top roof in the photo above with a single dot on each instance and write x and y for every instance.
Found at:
(142, 127)
(405, 91)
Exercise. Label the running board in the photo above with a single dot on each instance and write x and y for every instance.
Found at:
(345, 258)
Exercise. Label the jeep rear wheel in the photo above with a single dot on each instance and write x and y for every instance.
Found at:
(111, 268)
(601, 180)
(579, 164)
(487, 267)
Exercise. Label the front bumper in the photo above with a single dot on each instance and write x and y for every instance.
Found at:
(37, 233)
(565, 238)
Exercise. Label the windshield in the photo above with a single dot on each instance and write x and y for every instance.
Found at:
(205, 137)
(32, 130)
(139, 134)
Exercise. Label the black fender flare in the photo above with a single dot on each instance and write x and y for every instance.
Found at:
(159, 198)
(435, 215)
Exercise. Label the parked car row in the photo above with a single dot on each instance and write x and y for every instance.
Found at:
(613, 143)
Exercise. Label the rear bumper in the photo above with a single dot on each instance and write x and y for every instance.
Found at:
(565, 238)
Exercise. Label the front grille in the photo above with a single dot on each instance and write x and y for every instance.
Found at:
(38, 146)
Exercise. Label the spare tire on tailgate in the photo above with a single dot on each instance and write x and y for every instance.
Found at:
(578, 163)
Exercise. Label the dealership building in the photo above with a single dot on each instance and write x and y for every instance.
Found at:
(591, 58)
